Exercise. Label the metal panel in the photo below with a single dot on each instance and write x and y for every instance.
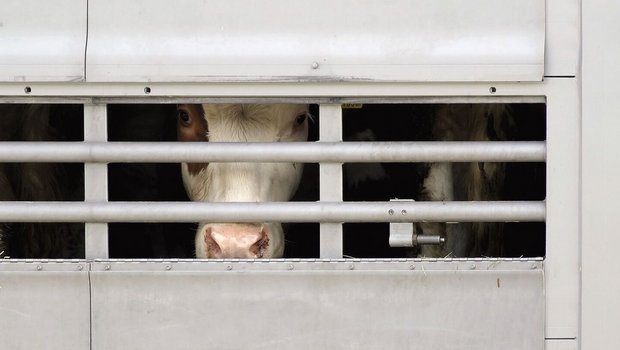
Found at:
(44, 305)
(563, 203)
(318, 305)
(563, 38)
(42, 40)
(281, 40)
(600, 171)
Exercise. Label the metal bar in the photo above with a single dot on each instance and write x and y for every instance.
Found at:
(330, 180)
(307, 152)
(317, 91)
(95, 181)
(335, 212)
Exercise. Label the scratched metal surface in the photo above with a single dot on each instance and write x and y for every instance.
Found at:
(455, 304)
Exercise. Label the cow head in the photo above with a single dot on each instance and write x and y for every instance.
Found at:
(241, 182)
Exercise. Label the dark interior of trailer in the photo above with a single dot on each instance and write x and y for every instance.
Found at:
(163, 182)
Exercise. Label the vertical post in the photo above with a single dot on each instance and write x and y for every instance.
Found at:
(96, 180)
(330, 180)
(563, 204)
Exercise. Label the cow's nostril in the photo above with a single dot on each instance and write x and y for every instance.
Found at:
(213, 248)
(259, 248)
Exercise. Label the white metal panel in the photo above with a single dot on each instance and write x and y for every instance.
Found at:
(563, 205)
(318, 305)
(563, 38)
(42, 40)
(600, 285)
(44, 305)
(237, 40)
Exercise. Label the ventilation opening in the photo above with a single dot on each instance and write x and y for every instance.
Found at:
(366, 183)
(41, 181)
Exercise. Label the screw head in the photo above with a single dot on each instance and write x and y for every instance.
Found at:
(229, 267)
(168, 267)
(107, 267)
(39, 267)
(315, 65)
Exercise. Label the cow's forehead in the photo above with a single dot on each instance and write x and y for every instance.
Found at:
(253, 111)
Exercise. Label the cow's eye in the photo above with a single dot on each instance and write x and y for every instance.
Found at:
(184, 117)
(300, 119)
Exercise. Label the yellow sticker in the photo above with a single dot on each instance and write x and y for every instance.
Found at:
(352, 106)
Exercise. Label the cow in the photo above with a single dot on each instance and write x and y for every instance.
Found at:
(241, 182)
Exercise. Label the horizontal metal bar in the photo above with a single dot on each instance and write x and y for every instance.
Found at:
(307, 152)
(283, 99)
(271, 211)
(288, 265)
(323, 91)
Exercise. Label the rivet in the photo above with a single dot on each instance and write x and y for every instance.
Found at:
(351, 267)
(168, 267)
(107, 267)
(492, 89)
(39, 267)
(533, 267)
(315, 65)
(290, 267)
(391, 211)
(411, 267)
(80, 267)
(147, 90)
(403, 212)
(472, 267)
(229, 267)
(27, 89)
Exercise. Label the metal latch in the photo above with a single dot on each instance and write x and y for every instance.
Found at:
(403, 234)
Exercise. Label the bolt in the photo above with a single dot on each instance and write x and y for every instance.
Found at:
(291, 267)
(403, 212)
(411, 267)
(472, 267)
(39, 267)
(391, 211)
(80, 267)
(229, 267)
(315, 65)
(107, 267)
(533, 267)
(168, 267)
(351, 267)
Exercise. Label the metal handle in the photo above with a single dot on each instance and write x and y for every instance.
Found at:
(402, 235)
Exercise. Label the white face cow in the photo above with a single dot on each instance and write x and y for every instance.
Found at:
(241, 182)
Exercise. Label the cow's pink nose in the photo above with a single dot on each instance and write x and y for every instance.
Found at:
(236, 241)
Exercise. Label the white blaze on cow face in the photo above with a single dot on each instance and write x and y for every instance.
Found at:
(241, 182)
